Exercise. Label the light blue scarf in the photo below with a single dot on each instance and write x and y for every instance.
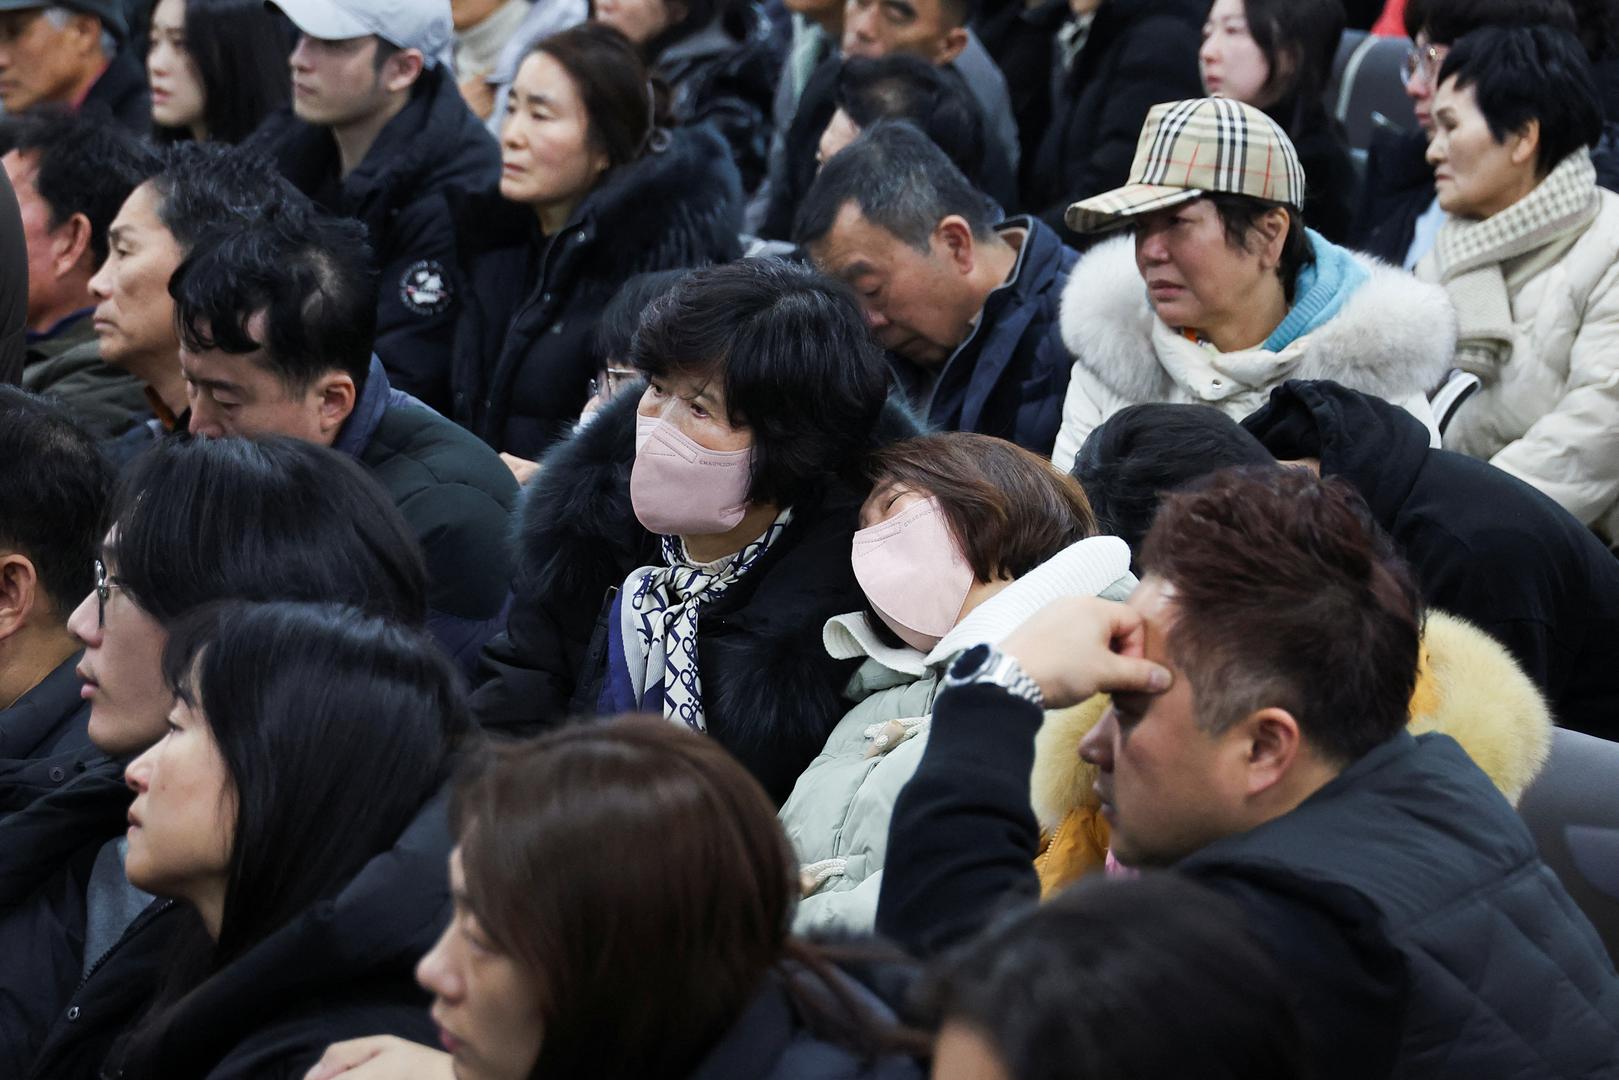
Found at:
(1320, 293)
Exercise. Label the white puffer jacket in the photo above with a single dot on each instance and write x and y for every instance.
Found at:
(1393, 338)
(1550, 416)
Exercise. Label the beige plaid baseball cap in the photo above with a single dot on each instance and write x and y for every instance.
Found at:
(1189, 149)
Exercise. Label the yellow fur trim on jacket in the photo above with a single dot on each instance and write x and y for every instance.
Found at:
(1468, 687)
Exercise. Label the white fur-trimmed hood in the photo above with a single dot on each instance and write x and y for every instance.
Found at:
(1393, 338)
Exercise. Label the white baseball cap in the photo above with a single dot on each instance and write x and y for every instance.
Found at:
(409, 24)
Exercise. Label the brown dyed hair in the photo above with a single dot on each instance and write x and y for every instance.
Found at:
(1288, 595)
(639, 875)
(1010, 510)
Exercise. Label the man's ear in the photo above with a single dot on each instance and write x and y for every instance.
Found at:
(1273, 743)
(20, 593)
(954, 238)
(70, 241)
(951, 47)
(336, 396)
(401, 70)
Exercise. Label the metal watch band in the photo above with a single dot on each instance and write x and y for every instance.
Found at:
(999, 669)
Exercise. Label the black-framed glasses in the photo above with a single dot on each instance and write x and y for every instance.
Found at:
(104, 587)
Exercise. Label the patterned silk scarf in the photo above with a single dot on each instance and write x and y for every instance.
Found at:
(1471, 257)
(659, 623)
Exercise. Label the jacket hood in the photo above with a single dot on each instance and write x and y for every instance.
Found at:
(680, 204)
(1377, 447)
(1091, 567)
(1393, 337)
(1468, 687)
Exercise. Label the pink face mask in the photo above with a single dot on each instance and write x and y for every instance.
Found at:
(914, 573)
(679, 488)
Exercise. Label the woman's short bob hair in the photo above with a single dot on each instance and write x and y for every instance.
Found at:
(201, 520)
(799, 367)
(1010, 510)
(240, 48)
(641, 959)
(1530, 73)
(1240, 214)
(1151, 977)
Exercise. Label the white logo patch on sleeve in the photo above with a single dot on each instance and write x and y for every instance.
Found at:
(425, 288)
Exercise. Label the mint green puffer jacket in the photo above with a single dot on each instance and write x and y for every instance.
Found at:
(837, 816)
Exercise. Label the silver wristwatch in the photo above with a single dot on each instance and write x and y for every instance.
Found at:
(982, 665)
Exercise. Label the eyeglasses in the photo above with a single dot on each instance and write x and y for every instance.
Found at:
(104, 587)
(1424, 61)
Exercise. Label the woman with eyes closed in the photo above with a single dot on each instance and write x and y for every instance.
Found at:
(680, 554)
(1529, 254)
(290, 809)
(963, 537)
(216, 68)
(593, 190)
(1276, 55)
(1221, 292)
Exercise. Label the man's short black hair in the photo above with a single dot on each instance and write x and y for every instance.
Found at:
(54, 486)
(308, 275)
(935, 99)
(797, 362)
(207, 186)
(1519, 74)
(1143, 452)
(86, 164)
(901, 182)
(1447, 21)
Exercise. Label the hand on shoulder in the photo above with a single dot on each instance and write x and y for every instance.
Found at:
(382, 1057)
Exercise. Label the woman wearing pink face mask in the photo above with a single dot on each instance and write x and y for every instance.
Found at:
(963, 537)
(680, 555)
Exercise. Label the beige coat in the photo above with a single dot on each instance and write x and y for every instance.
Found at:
(1550, 414)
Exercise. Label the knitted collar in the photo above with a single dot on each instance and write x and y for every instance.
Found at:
(1562, 204)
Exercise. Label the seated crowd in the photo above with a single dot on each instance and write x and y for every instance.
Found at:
(792, 539)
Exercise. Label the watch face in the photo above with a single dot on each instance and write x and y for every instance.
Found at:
(970, 662)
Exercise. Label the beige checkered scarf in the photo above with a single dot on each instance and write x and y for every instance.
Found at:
(1471, 257)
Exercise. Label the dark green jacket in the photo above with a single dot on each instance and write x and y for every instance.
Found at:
(67, 365)
(456, 495)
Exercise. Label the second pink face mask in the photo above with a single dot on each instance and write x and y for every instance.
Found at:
(913, 572)
(679, 488)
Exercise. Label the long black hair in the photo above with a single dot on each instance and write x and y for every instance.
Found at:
(240, 48)
(322, 715)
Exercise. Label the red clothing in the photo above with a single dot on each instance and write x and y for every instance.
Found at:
(1392, 22)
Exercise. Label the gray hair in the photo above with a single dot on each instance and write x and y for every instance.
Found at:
(900, 181)
(59, 17)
